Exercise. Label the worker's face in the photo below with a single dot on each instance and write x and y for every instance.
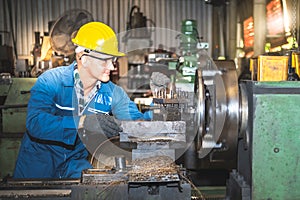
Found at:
(98, 65)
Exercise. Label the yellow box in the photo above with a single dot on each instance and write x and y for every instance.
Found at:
(295, 62)
(253, 69)
(272, 68)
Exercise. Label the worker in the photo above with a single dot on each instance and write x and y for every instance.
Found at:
(65, 99)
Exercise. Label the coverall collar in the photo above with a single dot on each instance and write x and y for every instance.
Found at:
(66, 77)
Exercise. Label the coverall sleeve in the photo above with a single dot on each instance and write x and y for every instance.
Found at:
(125, 109)
(42, 120)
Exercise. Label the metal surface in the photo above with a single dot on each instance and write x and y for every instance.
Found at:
(9, 148)
(166, 178)
(268, 151)
(132, 192)
(103, 176)
(237, 188)
(154, 138)
(217, 109)
(37, 189)
(14, 117)
(120, 163)
(140, 131)
(200, 108)
(275, 148)
(74, 189)
(14, 97)
(153, 178)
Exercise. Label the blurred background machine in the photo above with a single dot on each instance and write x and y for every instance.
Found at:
(56, 48)
(6, 53)
(14, 95)
(141, 58)
(17, 77)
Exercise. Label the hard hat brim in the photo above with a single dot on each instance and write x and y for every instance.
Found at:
(117, 54)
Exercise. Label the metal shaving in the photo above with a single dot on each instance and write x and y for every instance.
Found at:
(154, 169)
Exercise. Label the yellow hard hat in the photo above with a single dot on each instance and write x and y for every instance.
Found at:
(99, 37)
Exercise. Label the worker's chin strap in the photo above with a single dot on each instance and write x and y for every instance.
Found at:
(52, 142)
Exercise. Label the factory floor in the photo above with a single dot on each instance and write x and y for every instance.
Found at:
(208, 184)
(209, 193)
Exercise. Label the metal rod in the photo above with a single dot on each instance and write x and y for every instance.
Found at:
(13, 106)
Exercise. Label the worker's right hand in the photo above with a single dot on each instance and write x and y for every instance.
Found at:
(102, 123)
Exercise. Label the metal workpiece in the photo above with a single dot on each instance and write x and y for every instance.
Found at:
(120, 163)
(154, 138)
(103, 176)
(139, 131)
(157, 151)
(217, 109)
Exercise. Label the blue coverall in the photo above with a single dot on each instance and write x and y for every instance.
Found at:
(50, 147)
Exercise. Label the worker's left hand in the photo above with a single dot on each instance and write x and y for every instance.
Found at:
(101, 123)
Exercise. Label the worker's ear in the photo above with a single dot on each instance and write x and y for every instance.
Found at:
(83, 61)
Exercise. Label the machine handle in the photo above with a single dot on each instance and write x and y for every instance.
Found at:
(13, 106)
(25, 92)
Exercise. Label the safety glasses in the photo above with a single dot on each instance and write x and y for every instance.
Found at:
(113, 59)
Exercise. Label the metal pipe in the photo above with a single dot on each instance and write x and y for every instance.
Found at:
(260, 24)
(232, 29)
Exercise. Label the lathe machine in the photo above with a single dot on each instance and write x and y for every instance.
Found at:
(248, 128)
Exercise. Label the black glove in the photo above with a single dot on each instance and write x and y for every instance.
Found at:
(101, 123)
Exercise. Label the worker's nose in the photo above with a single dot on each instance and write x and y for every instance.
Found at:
(110, 65)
